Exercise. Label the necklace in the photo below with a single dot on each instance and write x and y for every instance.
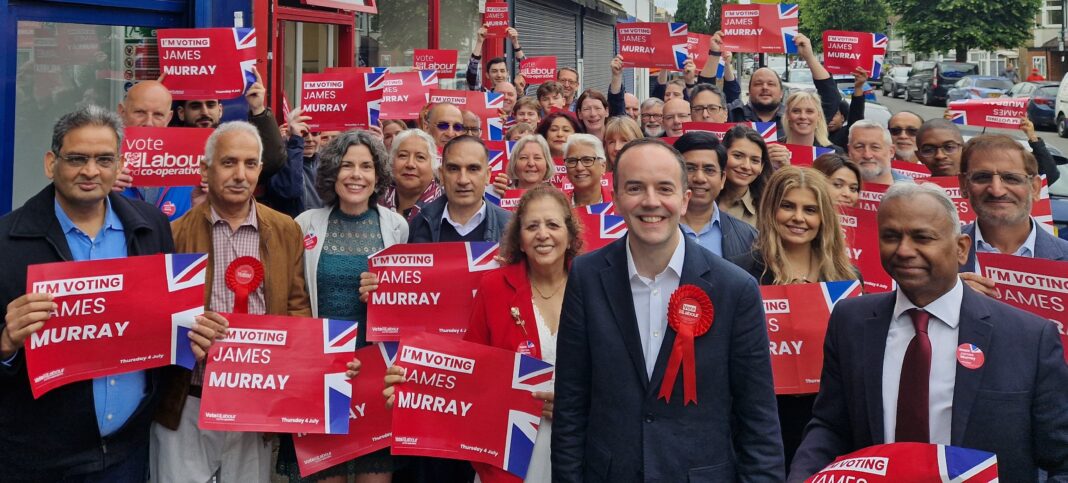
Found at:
(542, 294)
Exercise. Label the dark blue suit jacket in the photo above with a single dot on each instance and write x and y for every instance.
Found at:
(608, 424)
(1015, 404)
(1047, 246)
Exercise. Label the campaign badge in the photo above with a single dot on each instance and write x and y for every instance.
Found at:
(310, 240)
(970, 356)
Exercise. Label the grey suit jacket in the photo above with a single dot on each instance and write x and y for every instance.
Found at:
(1012, 405)
(738, 236)
(1047, 246)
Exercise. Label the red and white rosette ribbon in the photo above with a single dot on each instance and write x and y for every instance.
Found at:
(243, 276)
(690, 315)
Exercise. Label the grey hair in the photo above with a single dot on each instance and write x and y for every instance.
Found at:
(330, 165)
(588, 140)
(431, 148)
(226, 127)
(651, 102)
(869, 124)
(90, 115)
(911, 190)
(513, 157)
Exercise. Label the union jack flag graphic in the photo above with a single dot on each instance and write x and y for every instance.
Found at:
(958, 117)
(834, 292)
(530, 374)
(601, 208)
(375, 81)
(679, 29)
(498, 156)
(879, 43)
(481, 256)
(245, 43)
(339, 336)
(962, 465)
(682, 52)
(787, 24)
(612, 227)
(491, 195)
(181, 325)
(185, 270)
(805, 155)
(428, 77)
(767, 130)
(494, 125)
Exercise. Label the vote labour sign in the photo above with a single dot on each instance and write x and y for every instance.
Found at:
(279, 374)
(538, 70)
(917, 462)
(760, 28)
(998, 112)
(426, 287)
(797, 318)
(495, 18)
(370, 422)
(653, 44)
(102, 325)
(862, 245)
(468, 401)
(405, 93)
(341, 100)
(211, 63)
(164, 156)
(844, 51)
(443, 61)
(1036, 285)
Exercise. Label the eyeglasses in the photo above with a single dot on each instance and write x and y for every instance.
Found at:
(711, 108)
(709, 170)
(950, 148)
(654, 117)
(456, 126)
(896, 131)
(680, 117)
(983, 178)
(567, 82)
(473, 130)
(586, 161)
(105, 161)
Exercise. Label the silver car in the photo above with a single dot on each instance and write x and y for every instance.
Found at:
(894, 81)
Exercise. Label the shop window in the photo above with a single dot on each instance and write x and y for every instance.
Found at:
(389, 38)
(312, 47)
(460, 20)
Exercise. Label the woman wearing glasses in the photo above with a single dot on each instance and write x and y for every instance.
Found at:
(556, 127)
(748, 170)
(586, 164)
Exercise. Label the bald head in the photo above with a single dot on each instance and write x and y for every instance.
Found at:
(147, 103)
(676, 112)
(765, 90)
(448, 116)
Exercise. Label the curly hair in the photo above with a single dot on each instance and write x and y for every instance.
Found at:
(330, 165)
(511, 250)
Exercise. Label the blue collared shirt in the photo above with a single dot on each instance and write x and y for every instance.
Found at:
(115, 397)
(711, 236)
(1025, 250)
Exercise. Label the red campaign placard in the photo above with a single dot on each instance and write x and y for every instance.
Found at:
(601, 225)
(910, 169)
(1036, 285)
(443, 61)
(405, 93)
(211, 63)
(653, 44)
(768, 130)
(797, 318)
(510, 200)
(1042, 210)
(760, 28)
(844, 51)
(538, 70)
(468, 401)
(895, 462)
(279, 374)
(1001, 112)
(485, 105)
(860, 228)
(342, 99)
(426, 287)
(495, 18)
(952, 187)
(871, 194)
(164, 156)
(370, 422)
(103, 326)
(499, 152)
(562, 183)
(698, 46)
(805, 155)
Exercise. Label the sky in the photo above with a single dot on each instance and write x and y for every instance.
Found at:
(671, 5)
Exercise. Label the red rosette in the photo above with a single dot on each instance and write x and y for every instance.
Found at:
(690, 315)
(243, 275)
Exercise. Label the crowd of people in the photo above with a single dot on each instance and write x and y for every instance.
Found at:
(721, 214)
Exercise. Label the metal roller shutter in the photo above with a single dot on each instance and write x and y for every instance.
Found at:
(547, 29)
(598, 48)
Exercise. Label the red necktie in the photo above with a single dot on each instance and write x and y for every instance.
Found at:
(913, 393)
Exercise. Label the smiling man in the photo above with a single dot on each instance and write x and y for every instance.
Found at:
(716, 231)
(872, 149)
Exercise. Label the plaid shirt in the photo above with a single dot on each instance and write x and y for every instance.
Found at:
(432, 192)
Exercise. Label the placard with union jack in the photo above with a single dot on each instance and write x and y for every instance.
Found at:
(913, 462)
(405, 93)
(767, 130)
(805, 155)
(207, 63)
(653, 44)
(844, 51)
(760, 28)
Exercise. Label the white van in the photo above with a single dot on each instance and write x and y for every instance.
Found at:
(1061, 109)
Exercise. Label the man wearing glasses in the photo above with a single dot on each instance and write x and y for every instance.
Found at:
(903, 127)
(676, 112)
(569, 80)
(444, 122)
(703, 221)
(706, 104)
(652, 115)
(940, 144)
(472, 124)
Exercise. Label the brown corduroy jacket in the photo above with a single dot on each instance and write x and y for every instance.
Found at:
(282, 254)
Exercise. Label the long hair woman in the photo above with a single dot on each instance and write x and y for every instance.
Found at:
(748, 170)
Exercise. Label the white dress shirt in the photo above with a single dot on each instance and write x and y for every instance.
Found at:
(651, 298)
(943, 329)
(464, 228)
(1025, 250)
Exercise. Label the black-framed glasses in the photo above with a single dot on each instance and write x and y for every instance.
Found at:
(709, 170)
(655, 117)
(911, 131)
(456, 126)
(950, 148)
(76, 160)
(586, 161)
(711, 108)
(983, 178)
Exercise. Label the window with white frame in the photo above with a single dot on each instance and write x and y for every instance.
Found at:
(1051, 13)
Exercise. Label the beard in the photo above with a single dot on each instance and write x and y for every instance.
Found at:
(763, 108)
(870, 174)
(653, 133)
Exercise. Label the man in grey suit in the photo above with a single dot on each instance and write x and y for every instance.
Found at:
(935, 361)
(614, 345)
(706, 170)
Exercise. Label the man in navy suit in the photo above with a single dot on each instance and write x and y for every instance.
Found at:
(935, 361)
(614, 345)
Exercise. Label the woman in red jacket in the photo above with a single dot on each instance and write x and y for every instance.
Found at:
(518, 305)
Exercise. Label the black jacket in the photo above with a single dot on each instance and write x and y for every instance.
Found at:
(57, 436)
(426, 226)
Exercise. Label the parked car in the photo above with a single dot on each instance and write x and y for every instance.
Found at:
(801, 80)
(978, 87)
(1060, 108)
(894, 80)
(1043, 100)
(930, 81)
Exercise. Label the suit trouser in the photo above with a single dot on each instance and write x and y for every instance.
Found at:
(194, 455)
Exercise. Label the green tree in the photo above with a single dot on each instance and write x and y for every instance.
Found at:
(714, 22)
(692, 13)
(853, 15)
(963, 24)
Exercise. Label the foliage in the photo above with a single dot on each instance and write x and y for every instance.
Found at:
(963, 24)
(692, 13)
(853, 15)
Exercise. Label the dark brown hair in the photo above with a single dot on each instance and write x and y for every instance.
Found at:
(510, 245)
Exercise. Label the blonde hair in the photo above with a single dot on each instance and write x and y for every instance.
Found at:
(623, 126)
(828, 247)
(513, 157)
(821, 121)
